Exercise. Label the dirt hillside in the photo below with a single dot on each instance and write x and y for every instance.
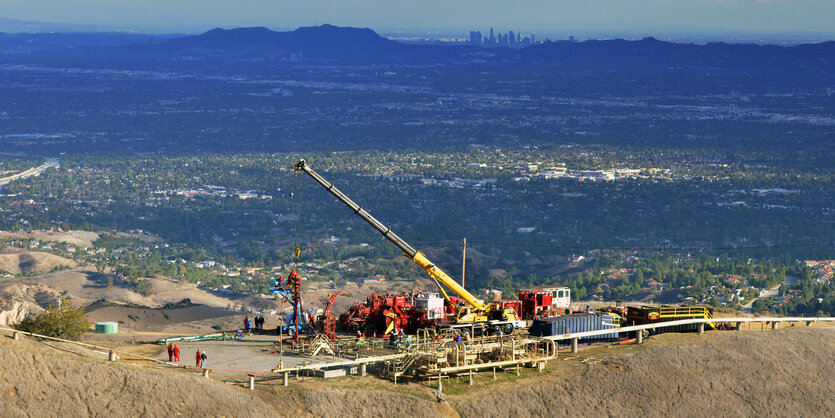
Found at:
(41, 381)
(149, 319)
(779, 373)
(79, 238)
(86, 286)
(751, 373)
(31, 262)
(775, 373)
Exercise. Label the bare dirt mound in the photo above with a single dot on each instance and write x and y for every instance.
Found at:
(17, 301)
(150, 319)
(18, 311)
(782, 373)
(40, 382)
(32, 262)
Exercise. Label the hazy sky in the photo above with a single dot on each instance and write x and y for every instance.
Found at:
(526, 15)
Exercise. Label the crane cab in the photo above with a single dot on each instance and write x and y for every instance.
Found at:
(466, 314)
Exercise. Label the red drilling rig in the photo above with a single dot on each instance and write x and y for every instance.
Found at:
(327, 322)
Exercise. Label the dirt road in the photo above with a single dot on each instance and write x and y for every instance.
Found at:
(765, 294)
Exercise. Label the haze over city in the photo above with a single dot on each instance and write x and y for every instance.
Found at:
(546, 17)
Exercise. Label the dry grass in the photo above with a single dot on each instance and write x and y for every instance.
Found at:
(32, 262)
(79, 238)
(63, 381)
(782, 373)
(774, 373)
(338, 402)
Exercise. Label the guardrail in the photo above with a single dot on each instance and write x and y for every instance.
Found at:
(666, 324)
(106, 350)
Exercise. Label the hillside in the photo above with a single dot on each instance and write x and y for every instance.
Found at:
(325, 42)
(77, 238)
(322, 42)
(22, 295)
(16, 262)
(776, 373)
(731, 374)
(186, 317)
(329, 43)
(779, 373)
(42, 381)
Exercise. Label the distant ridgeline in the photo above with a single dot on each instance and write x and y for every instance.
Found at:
(332, 43)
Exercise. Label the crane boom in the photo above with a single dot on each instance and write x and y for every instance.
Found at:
(416, 256)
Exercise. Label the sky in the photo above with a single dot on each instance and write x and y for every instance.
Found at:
(756, 16)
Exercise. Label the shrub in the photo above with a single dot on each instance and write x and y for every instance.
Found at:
(63, 321)
(143, 287)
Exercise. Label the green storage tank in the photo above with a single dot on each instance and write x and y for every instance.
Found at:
(107, 327)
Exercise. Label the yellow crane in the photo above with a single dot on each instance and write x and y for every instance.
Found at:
(477, 311)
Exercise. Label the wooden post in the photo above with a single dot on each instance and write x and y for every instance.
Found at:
(16, 336)
(206, 373)
(286, 378)
(774, 325)
(440, 383)
(251, 382)
(363, 371)
(471, 377)
(639, 337)
(574, 342)
(808, 323)
(494, 373)
(111, 356)
(701, 328)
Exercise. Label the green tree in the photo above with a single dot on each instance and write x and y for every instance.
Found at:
(63, 321)
(143, 287)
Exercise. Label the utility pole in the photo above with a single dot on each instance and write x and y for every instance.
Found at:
(464, 264)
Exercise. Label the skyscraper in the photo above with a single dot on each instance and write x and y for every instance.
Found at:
(475, 37)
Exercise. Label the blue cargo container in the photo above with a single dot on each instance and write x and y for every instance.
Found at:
(570, 324)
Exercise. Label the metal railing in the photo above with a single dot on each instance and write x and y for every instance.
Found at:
(685, 322)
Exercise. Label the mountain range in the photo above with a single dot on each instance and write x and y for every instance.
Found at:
(328, 43)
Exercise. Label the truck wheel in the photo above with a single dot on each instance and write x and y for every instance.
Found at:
(508, 329)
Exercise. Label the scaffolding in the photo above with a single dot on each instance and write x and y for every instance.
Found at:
(430, 356)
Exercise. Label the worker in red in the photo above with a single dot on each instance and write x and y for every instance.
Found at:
(246, 324)
(170, 351)
(176, 352)
(197, 359)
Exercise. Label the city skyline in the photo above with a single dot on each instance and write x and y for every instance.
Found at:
(527, 16)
